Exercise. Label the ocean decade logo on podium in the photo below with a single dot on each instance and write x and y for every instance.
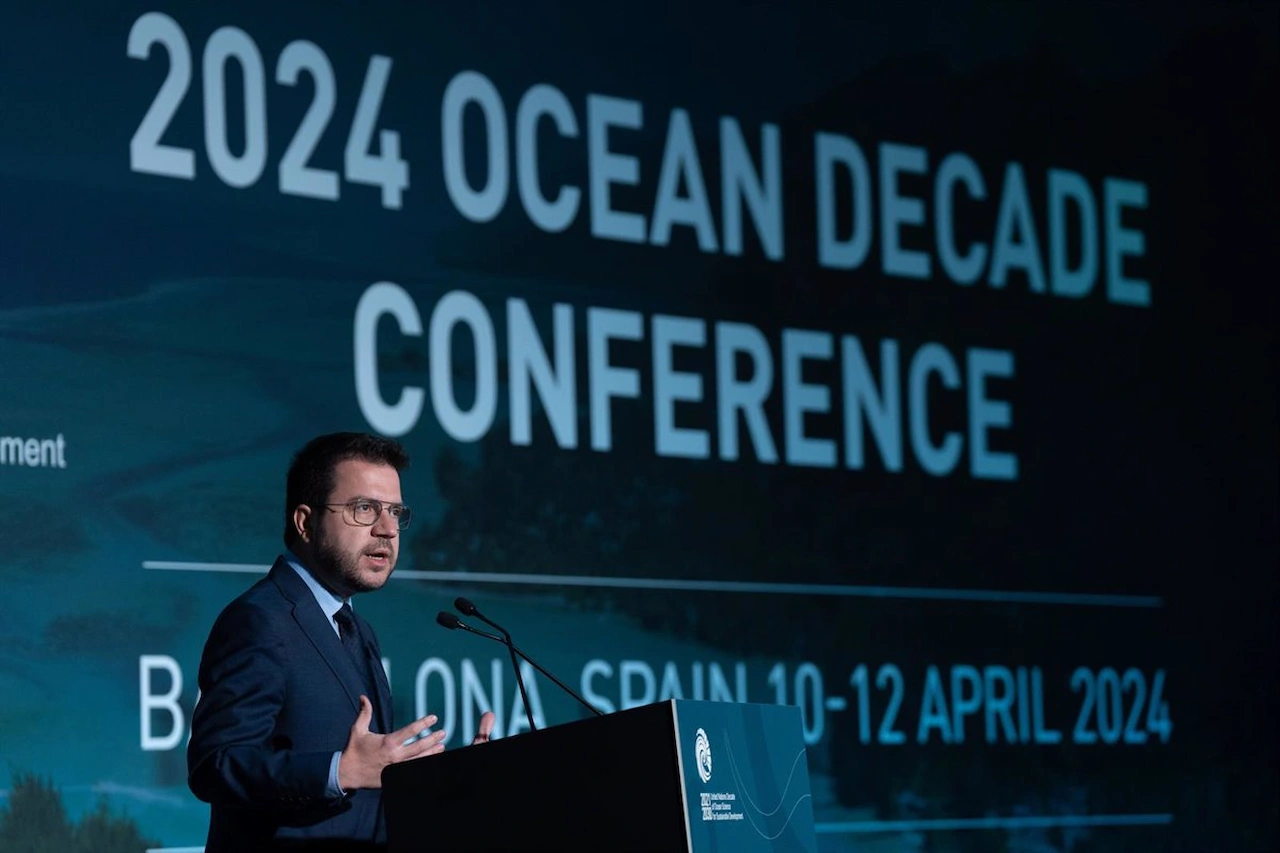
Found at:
(702, 754)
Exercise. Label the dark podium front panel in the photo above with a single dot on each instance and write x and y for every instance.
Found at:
(672, 776)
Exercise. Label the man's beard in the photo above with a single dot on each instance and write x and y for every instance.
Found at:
(342, 568)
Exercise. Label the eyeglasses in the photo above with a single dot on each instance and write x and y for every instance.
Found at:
(365, 512)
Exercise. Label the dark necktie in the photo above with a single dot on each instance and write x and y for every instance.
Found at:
(351, 642)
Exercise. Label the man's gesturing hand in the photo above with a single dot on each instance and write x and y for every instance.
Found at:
(485, 729)
(366, 753)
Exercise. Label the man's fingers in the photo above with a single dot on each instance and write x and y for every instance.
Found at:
(414, 729)
(429, 745)
(426, 739)
(485, 729)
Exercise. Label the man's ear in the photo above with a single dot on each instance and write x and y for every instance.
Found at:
(303, 520)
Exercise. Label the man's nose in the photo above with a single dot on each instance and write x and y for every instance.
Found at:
(386, 525)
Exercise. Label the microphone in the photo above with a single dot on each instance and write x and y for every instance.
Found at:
(469, 609)
(465, 605)
(452, 622)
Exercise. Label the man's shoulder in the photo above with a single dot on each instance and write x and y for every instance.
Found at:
(273, 592)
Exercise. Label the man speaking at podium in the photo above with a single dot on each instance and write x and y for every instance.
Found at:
(293, 726)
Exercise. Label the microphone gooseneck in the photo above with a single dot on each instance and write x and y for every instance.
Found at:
(465, 607)
(452, 622)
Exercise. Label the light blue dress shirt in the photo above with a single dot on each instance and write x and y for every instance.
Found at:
(330, 604)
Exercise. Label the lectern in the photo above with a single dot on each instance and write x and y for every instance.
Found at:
(680, 776)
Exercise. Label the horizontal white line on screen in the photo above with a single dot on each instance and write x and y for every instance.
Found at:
(1083, 599)
(1019, 822)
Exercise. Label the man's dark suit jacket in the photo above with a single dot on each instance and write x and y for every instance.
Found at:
(278, 696)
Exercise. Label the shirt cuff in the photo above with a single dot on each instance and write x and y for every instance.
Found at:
(332, 789)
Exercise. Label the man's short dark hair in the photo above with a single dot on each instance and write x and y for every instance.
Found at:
(311, 474)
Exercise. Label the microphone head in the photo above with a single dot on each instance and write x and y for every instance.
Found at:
(465, 607)
(448, 620)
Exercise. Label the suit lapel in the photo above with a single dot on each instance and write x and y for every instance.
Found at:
(374, 654)
(319, 631)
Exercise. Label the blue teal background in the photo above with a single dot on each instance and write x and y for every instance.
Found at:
(186, 337)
